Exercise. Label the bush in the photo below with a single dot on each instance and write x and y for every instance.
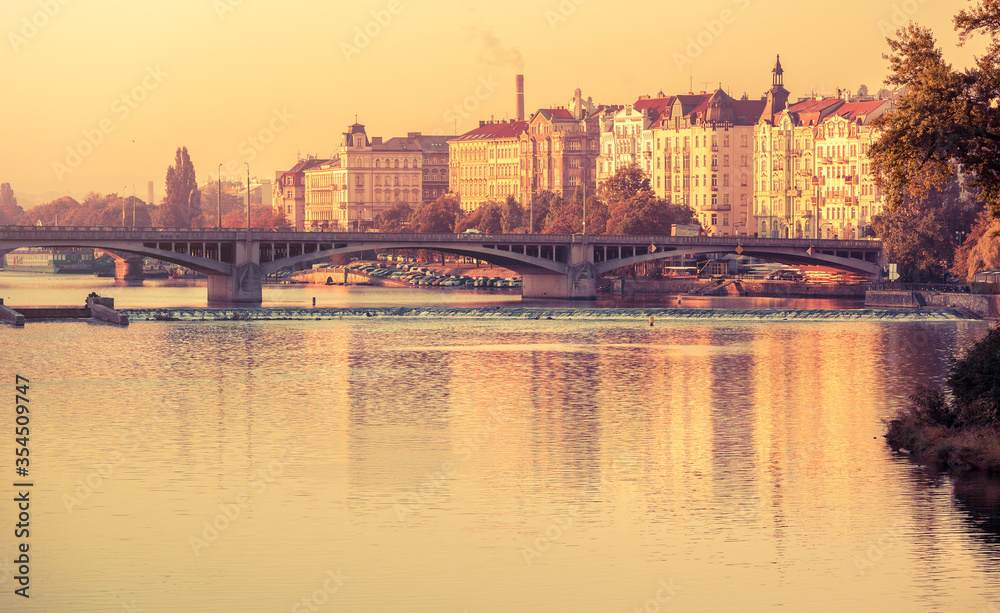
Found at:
(966, 430)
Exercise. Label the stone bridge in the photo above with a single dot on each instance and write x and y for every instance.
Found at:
(551, 265)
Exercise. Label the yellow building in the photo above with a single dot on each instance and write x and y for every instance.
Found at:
(702, 156)
(485, 163)
(369, 176)
(812, 173)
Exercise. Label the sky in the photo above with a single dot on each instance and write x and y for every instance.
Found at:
(100, 93)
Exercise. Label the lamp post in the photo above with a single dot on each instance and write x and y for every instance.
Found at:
(124, 191)
(133, 206)
(219, 196)
(248, 197)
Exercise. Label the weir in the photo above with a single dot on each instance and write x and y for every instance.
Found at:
(552, 266)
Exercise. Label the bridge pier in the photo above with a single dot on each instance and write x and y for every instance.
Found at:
(244, 286)
(129, 269)
(579, 282)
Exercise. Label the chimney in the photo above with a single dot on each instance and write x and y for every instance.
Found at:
(519, 87)
(149, 194)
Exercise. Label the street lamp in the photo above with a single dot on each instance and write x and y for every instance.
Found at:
(219, 196)
(248, 197)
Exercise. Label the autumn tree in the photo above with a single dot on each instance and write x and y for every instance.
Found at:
(633, 208)
(55, 212)
(394, 219)
(441, 215)
(230, 202)
(511, 215)
(10, 212)
(566, 216)
(946, 117)
(538, 210)
(182, 202)
(981, 248)
(487, 217)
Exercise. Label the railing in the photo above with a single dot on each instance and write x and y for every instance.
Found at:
(950, 288)
(196, 234)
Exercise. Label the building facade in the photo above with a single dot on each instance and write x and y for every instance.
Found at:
(560, 148)
(812, 175)
(702, 156)
(627, 138)
(290, 192)
(369, 176)
(485, 163)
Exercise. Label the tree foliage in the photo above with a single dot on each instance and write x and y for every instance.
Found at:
(946, 117)
(487, 217)
(924, 233)
(441, 215)
(395, 219)
(511, 215)
(182, 202)
(95, 210)
(230, 202)
(10, 212)
(981, 249)
(633, 208)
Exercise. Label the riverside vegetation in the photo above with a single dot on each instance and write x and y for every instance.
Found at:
(960, 429)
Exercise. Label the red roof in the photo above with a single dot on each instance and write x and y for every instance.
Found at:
(858, 111)
(811, 112)
(656, 106)
(551, 114)
(304, 165)
(508, 129)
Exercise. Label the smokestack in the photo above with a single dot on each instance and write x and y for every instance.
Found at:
(519, 86)
(149, 189)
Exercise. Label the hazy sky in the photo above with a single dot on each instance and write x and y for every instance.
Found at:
(100, 93)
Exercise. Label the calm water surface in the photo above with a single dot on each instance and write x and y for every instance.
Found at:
(473, 465)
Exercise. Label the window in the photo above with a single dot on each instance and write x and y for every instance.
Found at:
(743, 181)
(715, 219)
(725, 161)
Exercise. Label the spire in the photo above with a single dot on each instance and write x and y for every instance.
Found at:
(776, 97)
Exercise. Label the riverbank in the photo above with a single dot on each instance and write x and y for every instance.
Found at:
(961, 429)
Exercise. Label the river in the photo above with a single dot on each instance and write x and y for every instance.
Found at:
(479, 464)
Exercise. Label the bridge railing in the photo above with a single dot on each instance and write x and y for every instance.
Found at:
(200, 234)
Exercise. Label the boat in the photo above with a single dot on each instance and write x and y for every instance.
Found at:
(51, 260)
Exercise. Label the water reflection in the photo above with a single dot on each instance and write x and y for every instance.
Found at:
(427, 456)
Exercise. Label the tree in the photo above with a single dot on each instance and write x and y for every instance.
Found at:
(441, 215)
(511, 215)
(230, 202)
(395, 219)
(945, 117)
(981, 249)
(539, 209)
(55, 212)
(488, 218)
(10, 212)
(633, 208)
(922, 234)
(182, 202)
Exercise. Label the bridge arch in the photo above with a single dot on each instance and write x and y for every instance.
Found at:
(518, 262)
